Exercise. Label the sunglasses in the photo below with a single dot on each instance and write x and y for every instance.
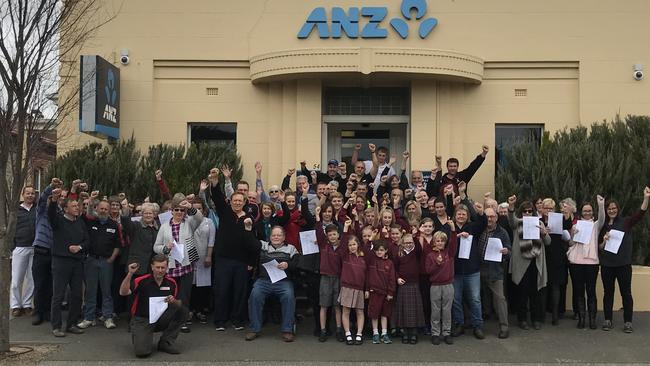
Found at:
(179, 210)
(274, 191)
(527, 211)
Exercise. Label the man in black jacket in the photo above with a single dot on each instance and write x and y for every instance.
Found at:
(22, 284)
(68, 251)
(437, 184)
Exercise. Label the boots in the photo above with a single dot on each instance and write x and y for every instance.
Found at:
(582, 314)
(591, 307)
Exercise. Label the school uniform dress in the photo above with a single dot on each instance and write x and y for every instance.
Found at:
(408, 311)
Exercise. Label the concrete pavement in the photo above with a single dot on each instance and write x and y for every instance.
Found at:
(551, 345)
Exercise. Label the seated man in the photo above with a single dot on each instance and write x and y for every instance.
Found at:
(286, 255)
(156, 284)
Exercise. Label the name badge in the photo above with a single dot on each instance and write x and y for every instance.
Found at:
(112, 231)
(165, 288)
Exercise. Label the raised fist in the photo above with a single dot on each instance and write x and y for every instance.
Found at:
(158, 175)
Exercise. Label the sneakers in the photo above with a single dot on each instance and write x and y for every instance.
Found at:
(386, 339)
(288, 337)
(16, 312)
(186, 329)
(74, 330)
(58, 333)
(607, 325)
(627, 327)
(238, 326)
(85, 324)
(250, 336)
(110, 324)
(28, 311)
(202, 318)
(449, 340)
(503, 333)
(376, 339)
(168, 347)
(413, 339)
(478, 333)
(435, 340)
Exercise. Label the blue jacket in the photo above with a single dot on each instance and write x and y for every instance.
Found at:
(44, 237)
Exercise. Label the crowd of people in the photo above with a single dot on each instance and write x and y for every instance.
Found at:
(416, 258)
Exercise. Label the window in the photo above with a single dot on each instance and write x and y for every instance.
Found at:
(506, 135)
(370, 101)
(212, 133)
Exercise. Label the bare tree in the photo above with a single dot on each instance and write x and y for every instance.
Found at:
(40, 42)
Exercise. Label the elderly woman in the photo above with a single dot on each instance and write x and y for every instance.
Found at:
(179, 230)
(286, 255)
(528, 266)
(143, 234)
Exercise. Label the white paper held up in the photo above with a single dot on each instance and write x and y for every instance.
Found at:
(308, 242)
(531, 229)
(613, 244)
(157, 307)
(136, 218)
(178, 252)
(275, 274)
(555, 222)
(465, 247)
(165, 217)
(493, 250)
(584, 228)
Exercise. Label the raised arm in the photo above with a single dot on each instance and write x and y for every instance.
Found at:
(601, 211)
(164, 190)
(467, 174)
(512, 219)
(355, 154)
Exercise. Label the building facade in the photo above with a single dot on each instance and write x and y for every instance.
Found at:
(296, 80)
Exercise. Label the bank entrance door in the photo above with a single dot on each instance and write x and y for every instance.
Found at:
(342, 136)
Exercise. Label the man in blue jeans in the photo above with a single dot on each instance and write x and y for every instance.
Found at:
(286, 255)
(98, 266)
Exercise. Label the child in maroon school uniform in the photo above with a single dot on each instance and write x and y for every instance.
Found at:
(353, 280)
(380, 290)
(408, 313)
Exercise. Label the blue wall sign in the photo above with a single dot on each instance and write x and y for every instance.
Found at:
(348, 23)
(99, 104)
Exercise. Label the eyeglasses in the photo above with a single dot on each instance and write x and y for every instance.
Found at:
(528, 211)
(179, 210)
(274, 191)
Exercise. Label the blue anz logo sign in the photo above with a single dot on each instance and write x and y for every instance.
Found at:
(349, 23)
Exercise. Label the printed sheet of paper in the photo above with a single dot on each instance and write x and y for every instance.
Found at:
(555, 222)
(178, 252)
(531, 229)
(465, 247)
(613, 244)
(165, 217)
(157, 307)
(275, 274)
(136, 218)
(584, 228)
(203, 275)
(308, 242)
(493, 250)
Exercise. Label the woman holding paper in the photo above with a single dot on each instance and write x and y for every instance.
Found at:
(176, 240)
(616, 259)
(528, 262)
(556, 260)
(583, 261)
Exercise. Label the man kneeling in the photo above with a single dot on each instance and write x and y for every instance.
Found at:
(156, 285)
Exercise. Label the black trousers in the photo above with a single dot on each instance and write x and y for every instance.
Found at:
(230, 288)
(529, 295)
(66, 272)
(622, 275)
(169, 324)
(200, 299)
(583, 279)
(184, 284)
(42, 274)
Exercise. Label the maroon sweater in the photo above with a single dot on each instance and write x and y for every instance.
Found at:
(407, 266)
(330, 257)
(426, 247)
(442, 273)
(353, 271)
(380, 277)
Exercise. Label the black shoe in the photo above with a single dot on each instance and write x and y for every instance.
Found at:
(405, 338)
(323, 336)
(435, 340)
(503, 334)
(348, 340)
(413, 339)
(581, 321)
(74, 330)
(185, 328)
(168, 348)
(340, 335)
(478, 333)
(457, 330)
(592, 321)
(537, 325)
(358, 340)
(38, 319)
(523, 325)
(449, 339)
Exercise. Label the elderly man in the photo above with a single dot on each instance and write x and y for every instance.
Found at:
(155, 285)
(22, 284)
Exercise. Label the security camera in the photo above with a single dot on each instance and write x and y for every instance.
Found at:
(124, 58)
(638, 72)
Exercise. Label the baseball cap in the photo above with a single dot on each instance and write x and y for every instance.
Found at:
(333, 161)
